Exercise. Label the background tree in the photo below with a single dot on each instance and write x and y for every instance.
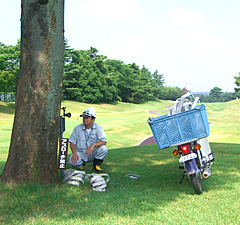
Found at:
(9, 67)
(237, 82)
(7, 82)
(224, 97)
(157, 82)
(93, 78)
(33, 149)
(216, 92)
(85, 77)
(170, 93)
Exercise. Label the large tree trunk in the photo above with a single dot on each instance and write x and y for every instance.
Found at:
(33, 149)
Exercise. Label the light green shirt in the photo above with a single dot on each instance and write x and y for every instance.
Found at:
(82, 139)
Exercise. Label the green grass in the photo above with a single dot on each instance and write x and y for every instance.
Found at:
(155, 198)
(225, 122)
(124, 124)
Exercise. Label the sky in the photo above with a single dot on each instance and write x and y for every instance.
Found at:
(188, 41)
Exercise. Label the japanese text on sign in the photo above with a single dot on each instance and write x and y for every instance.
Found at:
(63, 151)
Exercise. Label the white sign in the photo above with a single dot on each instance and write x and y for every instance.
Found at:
(63, 151)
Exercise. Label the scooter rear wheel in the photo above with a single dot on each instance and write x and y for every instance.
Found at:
(197, 183)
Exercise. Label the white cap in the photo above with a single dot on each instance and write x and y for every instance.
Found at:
(90, 111)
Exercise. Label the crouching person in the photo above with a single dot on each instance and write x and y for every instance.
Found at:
(88, 142)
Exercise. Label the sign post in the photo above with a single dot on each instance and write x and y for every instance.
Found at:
(63, 152)
(63, 144)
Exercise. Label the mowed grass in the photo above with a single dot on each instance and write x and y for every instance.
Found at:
(155, 198)
(225, 122)
(124, 124)
(6, 122)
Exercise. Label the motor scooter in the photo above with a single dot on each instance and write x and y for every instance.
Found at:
(186, 127)
(197, 160)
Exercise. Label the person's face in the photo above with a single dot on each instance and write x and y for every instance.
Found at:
(88, 121)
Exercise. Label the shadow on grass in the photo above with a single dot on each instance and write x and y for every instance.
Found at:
(125, 198)
(7, 108)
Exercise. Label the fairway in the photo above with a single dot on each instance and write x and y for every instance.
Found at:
(156, 197)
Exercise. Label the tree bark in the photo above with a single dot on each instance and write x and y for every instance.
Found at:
(33, 149)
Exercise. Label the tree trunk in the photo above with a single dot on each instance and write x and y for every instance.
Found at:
(33, 149)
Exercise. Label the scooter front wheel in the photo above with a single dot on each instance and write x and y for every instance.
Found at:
(197, 183)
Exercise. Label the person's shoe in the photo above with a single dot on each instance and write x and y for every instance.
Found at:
(82, 167)
(96, 165)
(97, 168)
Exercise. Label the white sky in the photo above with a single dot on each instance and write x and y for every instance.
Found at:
(188, 41)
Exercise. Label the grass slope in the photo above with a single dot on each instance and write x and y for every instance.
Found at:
(225, 122)
(155, 198)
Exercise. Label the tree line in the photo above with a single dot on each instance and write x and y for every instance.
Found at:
(217, 95)
(93, 78)
(9, 68)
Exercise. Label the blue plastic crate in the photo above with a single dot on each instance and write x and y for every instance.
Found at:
(180, 128)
